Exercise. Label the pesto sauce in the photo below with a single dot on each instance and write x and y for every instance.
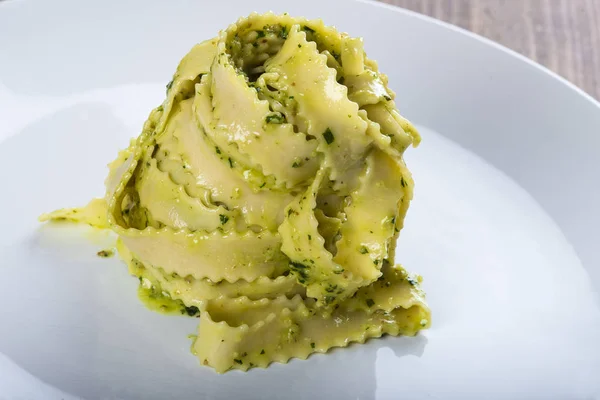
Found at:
(155, 300)
(106, 253)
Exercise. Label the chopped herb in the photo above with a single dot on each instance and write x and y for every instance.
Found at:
(309, 237)
(295, 164)
(191, 311)
(370, 303)
(307, 29)
(277, 118)
(411, 281)
(328, 135)
(105, 253)
(312, 345)
(300, 270)
(218, 150)
(297, 265)
(260, 34)
(388, 98)
(376, 262)
(237, 360)
(299, 45)
(402, 182)
(262, 351)
(291, 97)
(329, 299)
(169, 85)
(263, 185)
(223, 218)
(244, 354)
(331, 288)
(363, 250)
(284, 32)
(230, 162)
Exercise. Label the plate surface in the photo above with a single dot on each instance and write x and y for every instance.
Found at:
(503, 226)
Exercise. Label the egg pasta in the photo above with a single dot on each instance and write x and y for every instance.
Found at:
(266, 194)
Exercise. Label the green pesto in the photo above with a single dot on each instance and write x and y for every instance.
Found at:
(276, 118)
(106, 253)
(157, 300)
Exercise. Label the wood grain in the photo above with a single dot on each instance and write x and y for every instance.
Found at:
(563, 35)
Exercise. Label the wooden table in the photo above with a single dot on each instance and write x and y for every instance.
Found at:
(563, 35)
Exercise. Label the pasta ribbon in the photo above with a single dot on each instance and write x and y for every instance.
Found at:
(266, 194)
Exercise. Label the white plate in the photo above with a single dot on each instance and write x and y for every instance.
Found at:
(504, 225)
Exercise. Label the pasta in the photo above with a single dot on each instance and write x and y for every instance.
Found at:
(266, 194)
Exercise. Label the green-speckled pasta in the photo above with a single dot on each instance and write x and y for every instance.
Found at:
(267, 193)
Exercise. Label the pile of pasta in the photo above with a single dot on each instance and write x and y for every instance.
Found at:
(267, 193)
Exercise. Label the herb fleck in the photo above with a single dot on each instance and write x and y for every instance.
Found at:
(230, 162)
(328, 135)
(276, 118)
(370, 303)
(237, 360)
(223, 218)
(402, 182)
(262, 351)
(105, 253)
(363, 250)
(217, 149)
(284, 32)
(312, 345)
(191, 311)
